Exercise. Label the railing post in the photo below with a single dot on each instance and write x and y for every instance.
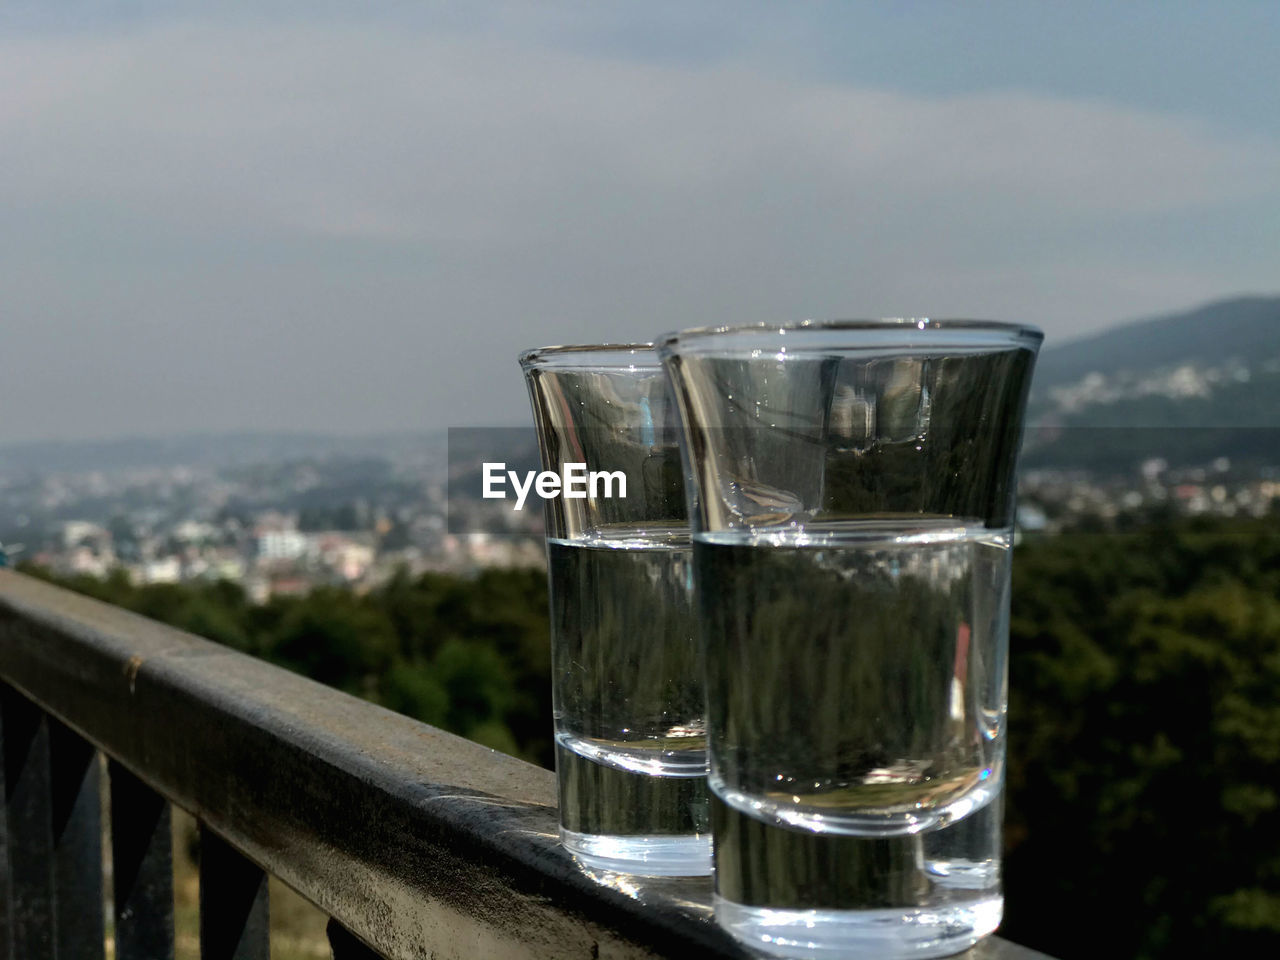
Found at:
(233, 903)
(76, 809)
(142, 854)
(345, 945)
(30, 834)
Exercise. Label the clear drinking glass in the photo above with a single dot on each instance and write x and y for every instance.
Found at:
(854, 488)
(627, 679)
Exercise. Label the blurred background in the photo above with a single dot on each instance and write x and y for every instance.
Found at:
(255, 260)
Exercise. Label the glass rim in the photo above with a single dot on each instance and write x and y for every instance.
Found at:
(911, 333)
(589, 355)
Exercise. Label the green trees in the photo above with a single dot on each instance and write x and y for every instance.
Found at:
(1145, 742)
(469, 655)
(335, 637)
(1143, 813)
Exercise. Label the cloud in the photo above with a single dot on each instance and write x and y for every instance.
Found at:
(376, 132)
(543, 192)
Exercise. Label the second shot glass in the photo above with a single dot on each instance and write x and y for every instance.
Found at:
(852, 549)
(627, 691)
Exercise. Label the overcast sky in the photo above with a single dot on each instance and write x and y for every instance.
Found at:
(287, 216)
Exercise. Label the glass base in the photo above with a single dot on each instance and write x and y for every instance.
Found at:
(644, 856)
(915, 932)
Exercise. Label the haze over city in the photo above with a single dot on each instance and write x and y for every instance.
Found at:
(282, 216)
(265, 271)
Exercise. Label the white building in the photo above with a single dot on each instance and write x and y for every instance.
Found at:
(282, 545)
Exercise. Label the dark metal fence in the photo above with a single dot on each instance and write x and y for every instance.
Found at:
(417, 843)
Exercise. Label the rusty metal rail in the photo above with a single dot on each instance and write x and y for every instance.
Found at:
(418, 843)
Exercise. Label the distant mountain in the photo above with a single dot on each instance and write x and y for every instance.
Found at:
(1243, 328)
(1188, 387)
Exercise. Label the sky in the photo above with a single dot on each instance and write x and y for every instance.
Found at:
(352, 217)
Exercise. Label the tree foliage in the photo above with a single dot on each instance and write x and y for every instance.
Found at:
(1145, 742)
(471, 655)
(1143, 813)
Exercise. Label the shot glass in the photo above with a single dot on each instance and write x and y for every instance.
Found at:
(854, 486)
(630, 735)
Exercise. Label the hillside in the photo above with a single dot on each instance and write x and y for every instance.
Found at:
(1189, 388)
(1244, 328)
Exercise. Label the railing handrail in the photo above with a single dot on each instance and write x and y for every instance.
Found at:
(420, 842)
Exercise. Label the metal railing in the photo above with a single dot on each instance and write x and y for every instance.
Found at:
(417, 843)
